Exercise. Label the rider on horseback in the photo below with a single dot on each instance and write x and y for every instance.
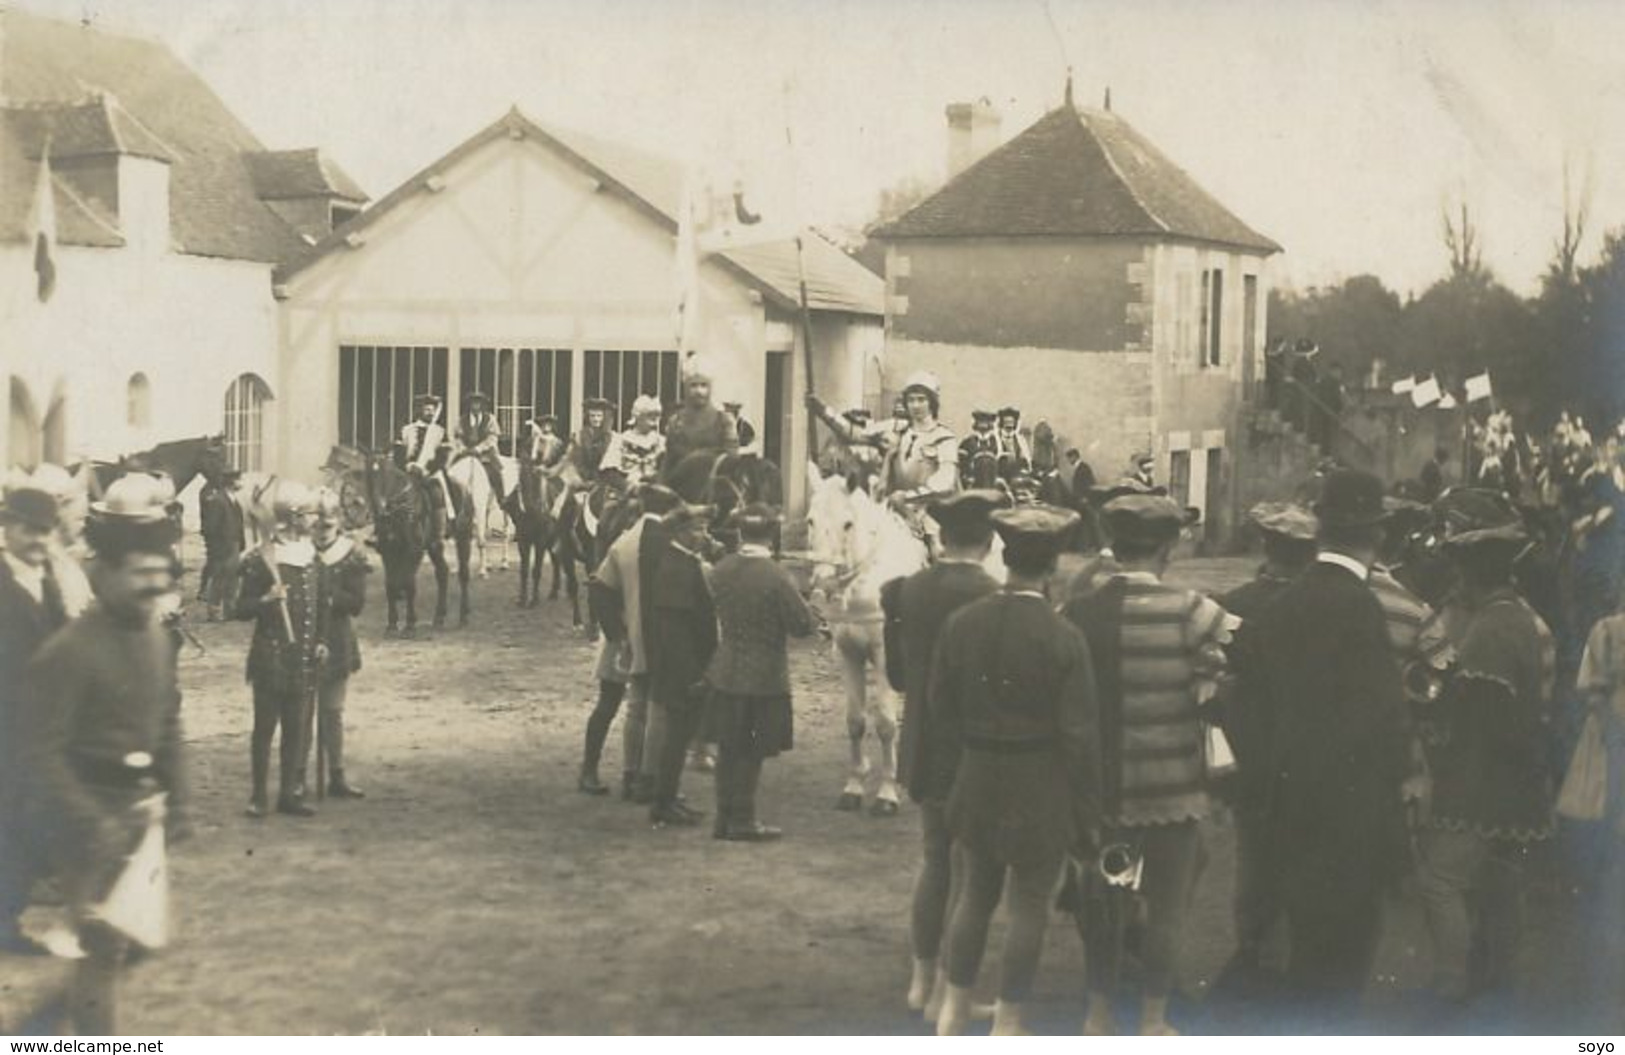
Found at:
(638, 451)
(478, 435)
(698, 425)
(1015, 454)
(591, 441)
(979, 445)
(423, 454)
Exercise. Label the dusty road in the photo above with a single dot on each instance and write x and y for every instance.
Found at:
(474, 891)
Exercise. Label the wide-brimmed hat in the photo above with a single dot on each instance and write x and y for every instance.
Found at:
(1144, 518)
(31, 506)
(755, 516)
(1034, 532)
(1009, 412)
(472, 396)
(133, 517)
(983, 417)
(1287, 520)
(597, 403)
(429, 399)
(1350, 498)
(1470, 516)
(963, 509)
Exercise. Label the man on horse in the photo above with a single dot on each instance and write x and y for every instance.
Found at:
(981, 444)
(478, 436)
(1014, 453)
(423, 449)
(591, 441)
(922, 466)
(697, 425)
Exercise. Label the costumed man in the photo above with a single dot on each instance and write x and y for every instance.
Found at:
(1014, 452)
(977, 448)
(856, 443)
(1158, 655)
(1288, 533)
(1012, 696)
(223, 539)
(479, 437)
(102, 729)
(638, 452)
(620, 607)
(343, 570)
(1492, 791)
(746, 431)
(591, 441)
(31, 610)
(916, 608)
(542, 451)
(282, 594)
(1334, 814)
(680, 638)
(697, 425)
(749, 713)
(423, 449)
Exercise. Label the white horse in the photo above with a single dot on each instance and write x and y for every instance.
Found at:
(856, 545)
(490, 519)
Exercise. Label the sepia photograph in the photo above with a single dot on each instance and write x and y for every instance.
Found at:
(884, 518)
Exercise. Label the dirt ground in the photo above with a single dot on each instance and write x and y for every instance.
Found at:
(475, 891)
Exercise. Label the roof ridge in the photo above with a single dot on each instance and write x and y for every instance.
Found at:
(111, 103)
(1117, 170)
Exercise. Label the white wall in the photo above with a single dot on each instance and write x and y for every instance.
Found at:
(191, 324)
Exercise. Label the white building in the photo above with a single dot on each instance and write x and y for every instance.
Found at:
(538, 265)
(164, 220)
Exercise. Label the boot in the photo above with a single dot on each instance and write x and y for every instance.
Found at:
(1007, 1020)
(919, 986)
(955, 1014)
(588, 783)
(643, 789)
(259, 797)
(629, 787)
(339, 788)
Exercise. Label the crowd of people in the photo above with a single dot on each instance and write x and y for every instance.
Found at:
(1367, 707)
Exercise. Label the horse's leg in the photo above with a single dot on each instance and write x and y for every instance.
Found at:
(437, 558)
(480, 514)
(392, 593)
(539, 553)
(882, 714)
(510, 531)
(853, 681)
(409, 592)
(463, 548)
(524, 569)
(559, 552)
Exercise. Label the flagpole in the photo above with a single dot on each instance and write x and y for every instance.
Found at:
(801, 277)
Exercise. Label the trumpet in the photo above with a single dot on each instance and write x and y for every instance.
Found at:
(1121, 866)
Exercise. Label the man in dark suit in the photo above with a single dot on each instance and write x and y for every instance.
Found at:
(1327, 688)
(31, 610)
(916, 608)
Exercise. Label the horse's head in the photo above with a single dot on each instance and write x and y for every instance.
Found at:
(850, 534)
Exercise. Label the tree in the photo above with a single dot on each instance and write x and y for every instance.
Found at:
(1355, 323)
(1461, 237)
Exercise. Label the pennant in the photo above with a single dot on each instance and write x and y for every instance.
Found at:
(42, 229)
(1479, 388)
(1403, 385)
(1427, 393)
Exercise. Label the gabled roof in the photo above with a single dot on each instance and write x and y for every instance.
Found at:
(280, 175)
(79, 219)
(653, 185)
(835, 281)
(1076, 172)
(214, 208)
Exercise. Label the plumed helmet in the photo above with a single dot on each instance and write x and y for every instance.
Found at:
(698, 367)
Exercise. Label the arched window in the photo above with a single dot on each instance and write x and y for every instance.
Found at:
(138, 402)
(245, 422)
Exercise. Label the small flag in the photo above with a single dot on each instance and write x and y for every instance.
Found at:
(1403, 385)
(1447, 402)
(42, 229)
(742, 212)
(1427, 393)
(1479, 388)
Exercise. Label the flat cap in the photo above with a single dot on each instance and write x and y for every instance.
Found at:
(964, 508)
(1144, 518)
(1286, 519)
(1035, 530)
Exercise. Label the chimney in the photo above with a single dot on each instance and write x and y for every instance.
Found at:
(973, 131)
(143, 203)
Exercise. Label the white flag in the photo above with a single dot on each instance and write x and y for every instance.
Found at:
(1427, 393)
(1403, 385)
(1479, 388)
(1447, 402)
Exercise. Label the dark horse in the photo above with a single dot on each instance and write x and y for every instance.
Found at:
(180, 460)
(589, 521)
(726, 482)
(530, 507)
(403, 522)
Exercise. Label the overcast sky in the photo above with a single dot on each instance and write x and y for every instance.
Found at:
(1337, 128)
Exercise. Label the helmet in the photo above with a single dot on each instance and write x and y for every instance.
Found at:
(924, 380)
(698, 368)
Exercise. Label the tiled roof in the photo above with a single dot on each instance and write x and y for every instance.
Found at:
(1076, 172)
(279, 175)
(654, 185)
(94, 126)
(214, 209)
(835, 281)
(79, 220)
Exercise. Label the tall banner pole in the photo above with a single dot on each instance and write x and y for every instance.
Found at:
(801, 276)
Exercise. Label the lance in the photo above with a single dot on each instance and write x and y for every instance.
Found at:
(801, 277)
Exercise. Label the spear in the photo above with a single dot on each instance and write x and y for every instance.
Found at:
(801, 276)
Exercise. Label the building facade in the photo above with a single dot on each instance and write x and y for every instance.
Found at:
(1076, 273)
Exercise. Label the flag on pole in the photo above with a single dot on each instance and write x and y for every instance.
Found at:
(1447, 402)
(42, 229)
(1403, 385)
(1479, 388)
(1426, 393)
